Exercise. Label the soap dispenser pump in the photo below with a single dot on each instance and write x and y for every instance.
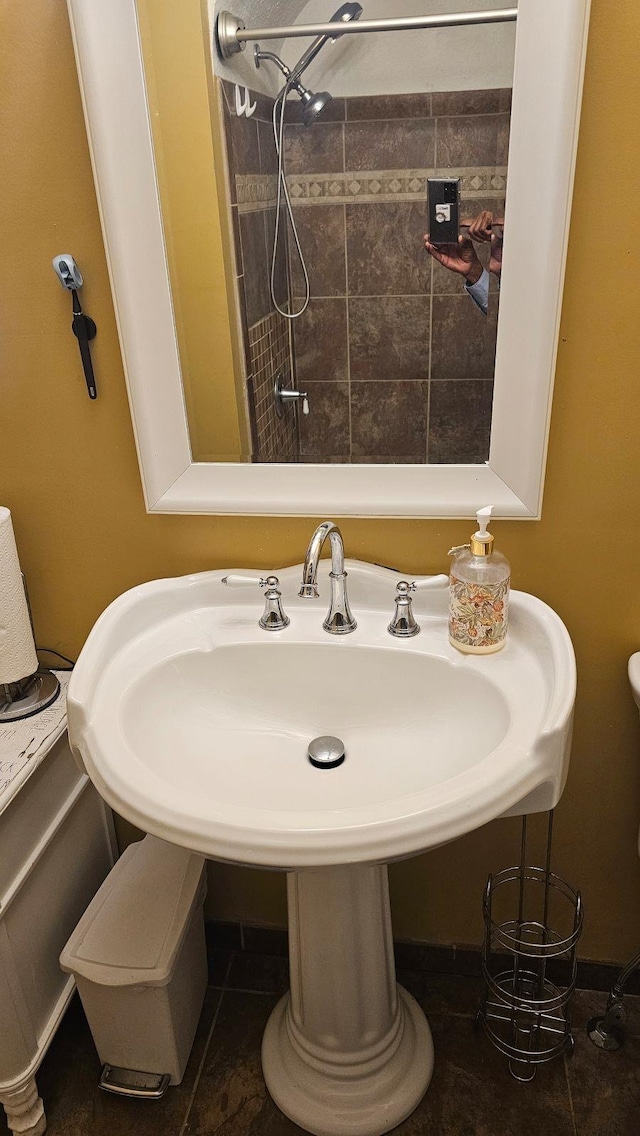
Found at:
(479, 593)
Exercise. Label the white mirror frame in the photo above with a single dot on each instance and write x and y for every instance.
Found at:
(547, 92)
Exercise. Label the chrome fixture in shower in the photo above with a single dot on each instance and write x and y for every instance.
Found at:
(232, 35)
(344, 15)
(312, 105)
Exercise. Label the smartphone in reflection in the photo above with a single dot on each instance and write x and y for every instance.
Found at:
(444, 210)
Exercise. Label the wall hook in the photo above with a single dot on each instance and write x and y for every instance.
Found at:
(82, 325)
(244, 106)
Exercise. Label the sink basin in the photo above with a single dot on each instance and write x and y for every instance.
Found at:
(248, 712)
(194, 724)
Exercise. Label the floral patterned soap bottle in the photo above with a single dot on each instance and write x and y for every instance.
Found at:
(479, 593)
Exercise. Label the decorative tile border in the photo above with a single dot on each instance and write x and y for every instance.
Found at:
(359, 187)
(480, 181)
(259, 191)
(256, 191)
(383, 186)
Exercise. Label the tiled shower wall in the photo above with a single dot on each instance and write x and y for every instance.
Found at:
(252, 189)
(397, 360)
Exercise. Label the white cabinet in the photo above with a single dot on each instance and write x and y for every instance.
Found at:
(56, 847)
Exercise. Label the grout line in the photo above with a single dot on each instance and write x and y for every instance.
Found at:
(346, 273)
(421, 117)
(388, 295)
(570, 1095)
(205, 1051)
(261, 993)
(225, 980)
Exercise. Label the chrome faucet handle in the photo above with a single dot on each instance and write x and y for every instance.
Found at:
(273, 617)
(238, 581)
(403, 625)
(284, 398)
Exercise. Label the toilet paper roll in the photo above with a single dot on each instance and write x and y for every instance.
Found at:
(18, 657)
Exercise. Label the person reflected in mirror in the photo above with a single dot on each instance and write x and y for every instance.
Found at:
(464, 260)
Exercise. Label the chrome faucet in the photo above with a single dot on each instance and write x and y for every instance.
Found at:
(339, 620)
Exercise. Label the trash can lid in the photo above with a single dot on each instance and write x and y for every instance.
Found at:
(133, 928)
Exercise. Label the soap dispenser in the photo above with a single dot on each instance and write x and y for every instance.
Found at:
(479, 593)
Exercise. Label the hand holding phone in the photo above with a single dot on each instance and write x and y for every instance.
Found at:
(460, 257)
(444, 210)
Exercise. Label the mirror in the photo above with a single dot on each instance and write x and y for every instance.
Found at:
(395, 350)
(391, 359)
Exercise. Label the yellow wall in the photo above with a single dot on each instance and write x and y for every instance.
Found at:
(68, 472)
(176, 73)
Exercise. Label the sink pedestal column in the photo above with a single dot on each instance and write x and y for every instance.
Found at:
(347, 1052)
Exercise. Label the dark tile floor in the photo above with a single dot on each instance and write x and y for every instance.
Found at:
(471, 1094)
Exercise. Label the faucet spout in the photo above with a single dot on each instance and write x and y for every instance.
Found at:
(339, 620)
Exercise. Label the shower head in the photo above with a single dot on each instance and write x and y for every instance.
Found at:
(313, 105)
(345, 14)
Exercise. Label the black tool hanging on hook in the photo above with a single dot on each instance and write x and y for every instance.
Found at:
(82, 325)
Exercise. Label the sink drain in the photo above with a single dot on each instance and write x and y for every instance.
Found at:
(326, 752)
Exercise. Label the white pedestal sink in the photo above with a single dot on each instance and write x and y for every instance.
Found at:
(194, 724)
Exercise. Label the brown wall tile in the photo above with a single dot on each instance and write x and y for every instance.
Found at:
(463, 339)
(320, 338)
(237, 244)
(389, 418)
(314, 149)
(389, 338)
(502, 145)
(325, 430)
(268, 152)
(255, 439)
(467, 140)
(244, 326)
(460, 422)
(389, 106)
(506, 98)
(388, 459)
(467, 102)
(391, 145)
(255, 271)
(330, 459)
(242, 147)
(385, 250)
(321, 229)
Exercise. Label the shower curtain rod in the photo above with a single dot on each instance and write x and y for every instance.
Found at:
(233, 35)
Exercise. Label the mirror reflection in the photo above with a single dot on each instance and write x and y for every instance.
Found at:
(359, 187)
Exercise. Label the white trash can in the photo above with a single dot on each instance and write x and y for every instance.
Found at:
(140, 963)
